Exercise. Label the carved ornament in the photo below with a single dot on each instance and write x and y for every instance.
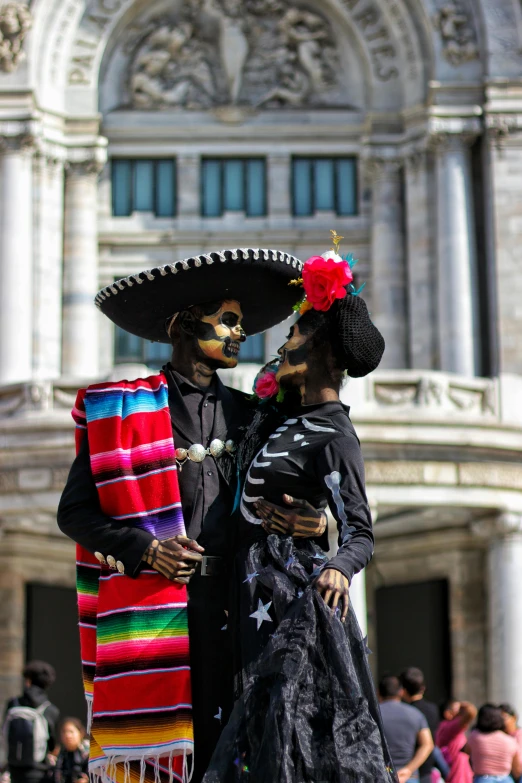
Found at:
(234, 53)
(457, 33)
(499, 127)
(15, 23)
(437, 393)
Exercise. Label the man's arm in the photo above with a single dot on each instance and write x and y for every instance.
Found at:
(424, 748)
(80, 517)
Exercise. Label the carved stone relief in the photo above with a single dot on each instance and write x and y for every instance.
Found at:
(215, 53)
(457, 33)
(438, 393)
(15, 22)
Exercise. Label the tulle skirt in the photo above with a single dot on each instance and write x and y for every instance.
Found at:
(308, 712)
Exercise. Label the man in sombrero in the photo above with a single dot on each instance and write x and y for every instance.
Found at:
(150, 496)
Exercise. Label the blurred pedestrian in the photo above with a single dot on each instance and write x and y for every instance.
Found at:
(412, 680)
(30, 726)
(73, 759)
(494, 754)
(406, 730)
(457, 717)
(511, 726)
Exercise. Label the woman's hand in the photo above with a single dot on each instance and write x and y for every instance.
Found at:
(334, 588)
(175, 558)
(299, 519)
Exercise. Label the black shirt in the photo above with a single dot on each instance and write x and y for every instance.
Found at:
(431, 713)
(206, 499)
(316, 456)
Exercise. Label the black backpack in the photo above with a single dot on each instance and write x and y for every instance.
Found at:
(26, 735)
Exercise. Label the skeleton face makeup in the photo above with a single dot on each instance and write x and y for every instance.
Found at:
(219, 336)
(294, 354)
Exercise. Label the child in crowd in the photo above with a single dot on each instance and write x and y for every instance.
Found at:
(73, 758)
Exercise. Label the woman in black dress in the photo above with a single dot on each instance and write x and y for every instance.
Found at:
(308, 711)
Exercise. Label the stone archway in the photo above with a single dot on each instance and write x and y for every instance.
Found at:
(389, 41)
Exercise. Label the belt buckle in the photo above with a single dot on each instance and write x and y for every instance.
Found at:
(203, 570)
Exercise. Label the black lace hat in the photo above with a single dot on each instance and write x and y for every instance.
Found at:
(359, 345)
(256, 278)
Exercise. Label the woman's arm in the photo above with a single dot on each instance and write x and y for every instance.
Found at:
(340, 468)
(516, 769)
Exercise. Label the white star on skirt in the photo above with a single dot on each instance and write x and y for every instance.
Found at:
(261, 614)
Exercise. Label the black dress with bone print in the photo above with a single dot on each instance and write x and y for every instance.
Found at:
(300, 672)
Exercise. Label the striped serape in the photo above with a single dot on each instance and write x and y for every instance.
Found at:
(134, 632)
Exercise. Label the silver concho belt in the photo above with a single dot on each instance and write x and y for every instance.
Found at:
(197, 452)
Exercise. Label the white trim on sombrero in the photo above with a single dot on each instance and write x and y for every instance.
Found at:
(149, 274)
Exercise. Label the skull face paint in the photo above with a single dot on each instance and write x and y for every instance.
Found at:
(293, 364)
(219, 336)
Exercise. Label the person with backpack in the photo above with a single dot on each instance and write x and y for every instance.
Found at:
(30, 726)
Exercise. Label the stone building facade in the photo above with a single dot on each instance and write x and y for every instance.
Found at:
(138, 133)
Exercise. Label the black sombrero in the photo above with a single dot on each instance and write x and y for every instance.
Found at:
(257, 279)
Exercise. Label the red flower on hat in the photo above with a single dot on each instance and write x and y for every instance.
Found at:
(325, 280)
(266, 385)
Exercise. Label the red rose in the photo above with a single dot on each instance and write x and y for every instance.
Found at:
(325, 280)
(266, 385)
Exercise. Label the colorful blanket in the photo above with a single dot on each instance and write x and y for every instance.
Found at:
(134, 632)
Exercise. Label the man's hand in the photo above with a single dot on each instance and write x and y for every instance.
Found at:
(298, 518)
(334, 588)
(175, 558)
(404, 774)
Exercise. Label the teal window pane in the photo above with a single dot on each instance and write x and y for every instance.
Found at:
(255, 188)
(121, 188)
(157, 354)
(165, 188)
(127, 347)
(233, 185)
(302, 187)
(144, 186)
(253, 349)
(324, 185)
(346, 183)
(211, 188)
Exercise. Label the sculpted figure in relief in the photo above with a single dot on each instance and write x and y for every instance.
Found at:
(457, 34)
(15, 22)
(236, 52)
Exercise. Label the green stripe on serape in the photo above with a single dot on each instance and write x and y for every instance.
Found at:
(157, 623)
(87, 580)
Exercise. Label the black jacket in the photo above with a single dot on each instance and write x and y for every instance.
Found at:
(79, 513)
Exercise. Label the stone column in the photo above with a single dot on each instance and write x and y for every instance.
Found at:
(80, 271)
(388, 273)
(421, 272)
(459, 338)
(16, 258)
(279, 193)
(189, 188)
(48, 255)
(505, 611)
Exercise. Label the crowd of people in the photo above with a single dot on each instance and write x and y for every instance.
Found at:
(39, 746)
(454, 742)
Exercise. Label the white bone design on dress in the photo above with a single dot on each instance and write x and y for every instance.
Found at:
(245, 498)
(316, 427)
(333, 482)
